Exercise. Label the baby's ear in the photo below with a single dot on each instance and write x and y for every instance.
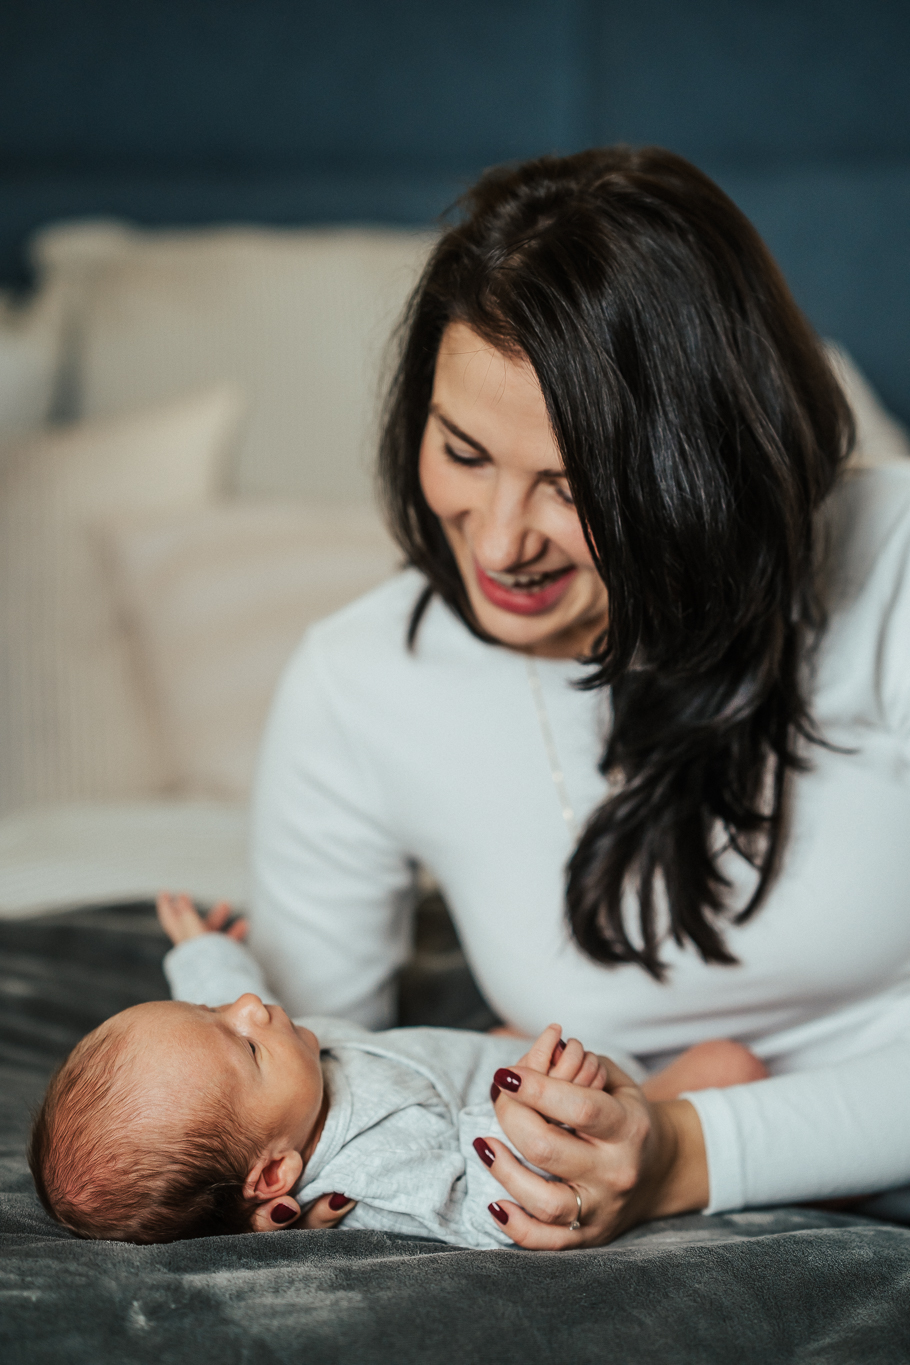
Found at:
(273, 1174)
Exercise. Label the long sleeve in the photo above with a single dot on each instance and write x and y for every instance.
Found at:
(213, 970)
(840, 1130)
(332, 888)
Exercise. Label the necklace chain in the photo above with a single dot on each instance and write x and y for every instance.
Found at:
(549, 744)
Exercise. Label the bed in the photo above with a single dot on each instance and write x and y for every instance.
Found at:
(763, 1286)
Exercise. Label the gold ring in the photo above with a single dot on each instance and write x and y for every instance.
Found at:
(576, 1222)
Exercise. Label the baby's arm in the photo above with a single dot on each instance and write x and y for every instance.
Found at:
(205, 966)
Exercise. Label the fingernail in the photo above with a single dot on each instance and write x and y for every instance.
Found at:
(495, 1093)
(498, 1213)
(483, 1151)
(506, 1079)
(338, 1201)
(283, 1213)
(558, 1050)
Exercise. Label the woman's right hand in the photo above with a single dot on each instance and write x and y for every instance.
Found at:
(626, 1159)
(180, 919)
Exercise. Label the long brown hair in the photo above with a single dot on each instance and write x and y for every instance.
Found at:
(701, 428)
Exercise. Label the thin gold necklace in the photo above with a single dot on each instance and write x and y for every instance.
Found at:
(549, 744)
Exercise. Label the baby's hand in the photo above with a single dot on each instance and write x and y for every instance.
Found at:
(566, 1061)
(180, 919)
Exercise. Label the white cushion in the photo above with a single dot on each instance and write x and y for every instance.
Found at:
(73, 723)
(30, 347)
(880, 438)
(89, 854)
(217, 599)
(299, 319)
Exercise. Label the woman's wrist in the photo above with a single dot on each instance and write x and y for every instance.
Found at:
(683, 1185)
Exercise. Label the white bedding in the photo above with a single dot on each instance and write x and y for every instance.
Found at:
(54, 858)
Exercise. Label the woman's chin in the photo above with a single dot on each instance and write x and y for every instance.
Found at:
(546, 633)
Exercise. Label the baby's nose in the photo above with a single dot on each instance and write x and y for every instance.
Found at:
(249, 1003)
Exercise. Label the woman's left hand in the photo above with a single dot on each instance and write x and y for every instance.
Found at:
(627, 1159)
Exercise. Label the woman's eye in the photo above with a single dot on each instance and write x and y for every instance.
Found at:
(252, 1047)
(471, 461)
(564, 493)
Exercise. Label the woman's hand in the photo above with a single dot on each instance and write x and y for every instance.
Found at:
(180, 919)
(284, 1212)
(627, 1160)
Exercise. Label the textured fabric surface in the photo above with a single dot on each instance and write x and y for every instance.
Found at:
(216, 600)
(73, 724)
(298, 320)
(761, 1288)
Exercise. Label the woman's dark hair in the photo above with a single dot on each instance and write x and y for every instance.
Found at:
(701, 428)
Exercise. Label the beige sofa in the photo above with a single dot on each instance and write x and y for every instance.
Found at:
(163, 548)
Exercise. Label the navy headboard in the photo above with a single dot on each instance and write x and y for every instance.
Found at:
(327, 111)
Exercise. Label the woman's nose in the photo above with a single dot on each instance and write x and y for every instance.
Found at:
(503, 535)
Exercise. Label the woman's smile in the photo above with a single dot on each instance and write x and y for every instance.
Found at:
(526, 594)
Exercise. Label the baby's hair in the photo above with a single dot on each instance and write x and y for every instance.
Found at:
(103, 1171)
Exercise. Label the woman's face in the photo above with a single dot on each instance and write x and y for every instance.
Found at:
(491, 471)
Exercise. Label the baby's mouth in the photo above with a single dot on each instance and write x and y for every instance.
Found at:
(528, 582)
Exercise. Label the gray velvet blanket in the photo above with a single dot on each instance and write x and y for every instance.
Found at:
(764, 1286)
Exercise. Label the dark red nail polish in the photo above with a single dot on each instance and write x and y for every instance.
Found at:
(507, 1080)
(338, 1201)
(558, 1050)
(282, 1213)
(498, 1213)
(495, 1093)
(486, 1155)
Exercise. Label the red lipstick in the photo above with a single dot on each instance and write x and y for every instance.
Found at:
(522, 601)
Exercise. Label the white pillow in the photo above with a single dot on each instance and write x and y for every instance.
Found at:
(299, 319)
(73, 723)
(30, 347)
(216, 601)
(880, 438)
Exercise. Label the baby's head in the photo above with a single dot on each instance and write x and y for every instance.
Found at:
(174, 1120)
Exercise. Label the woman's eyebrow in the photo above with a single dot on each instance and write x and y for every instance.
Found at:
(456, 431)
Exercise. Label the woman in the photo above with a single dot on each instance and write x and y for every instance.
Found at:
(641, 704)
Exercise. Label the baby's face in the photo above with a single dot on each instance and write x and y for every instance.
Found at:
(247, 1051)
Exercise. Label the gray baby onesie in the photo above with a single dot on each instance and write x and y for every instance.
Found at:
(405, 1107)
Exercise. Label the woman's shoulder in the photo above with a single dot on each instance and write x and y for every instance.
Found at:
(361, 652)
(867, 535)
(864, 661)
(376, 620)
(374, 629)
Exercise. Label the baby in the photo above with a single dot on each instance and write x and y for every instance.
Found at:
(176, 1119)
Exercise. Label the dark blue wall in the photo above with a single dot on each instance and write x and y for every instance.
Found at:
(288, 111)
